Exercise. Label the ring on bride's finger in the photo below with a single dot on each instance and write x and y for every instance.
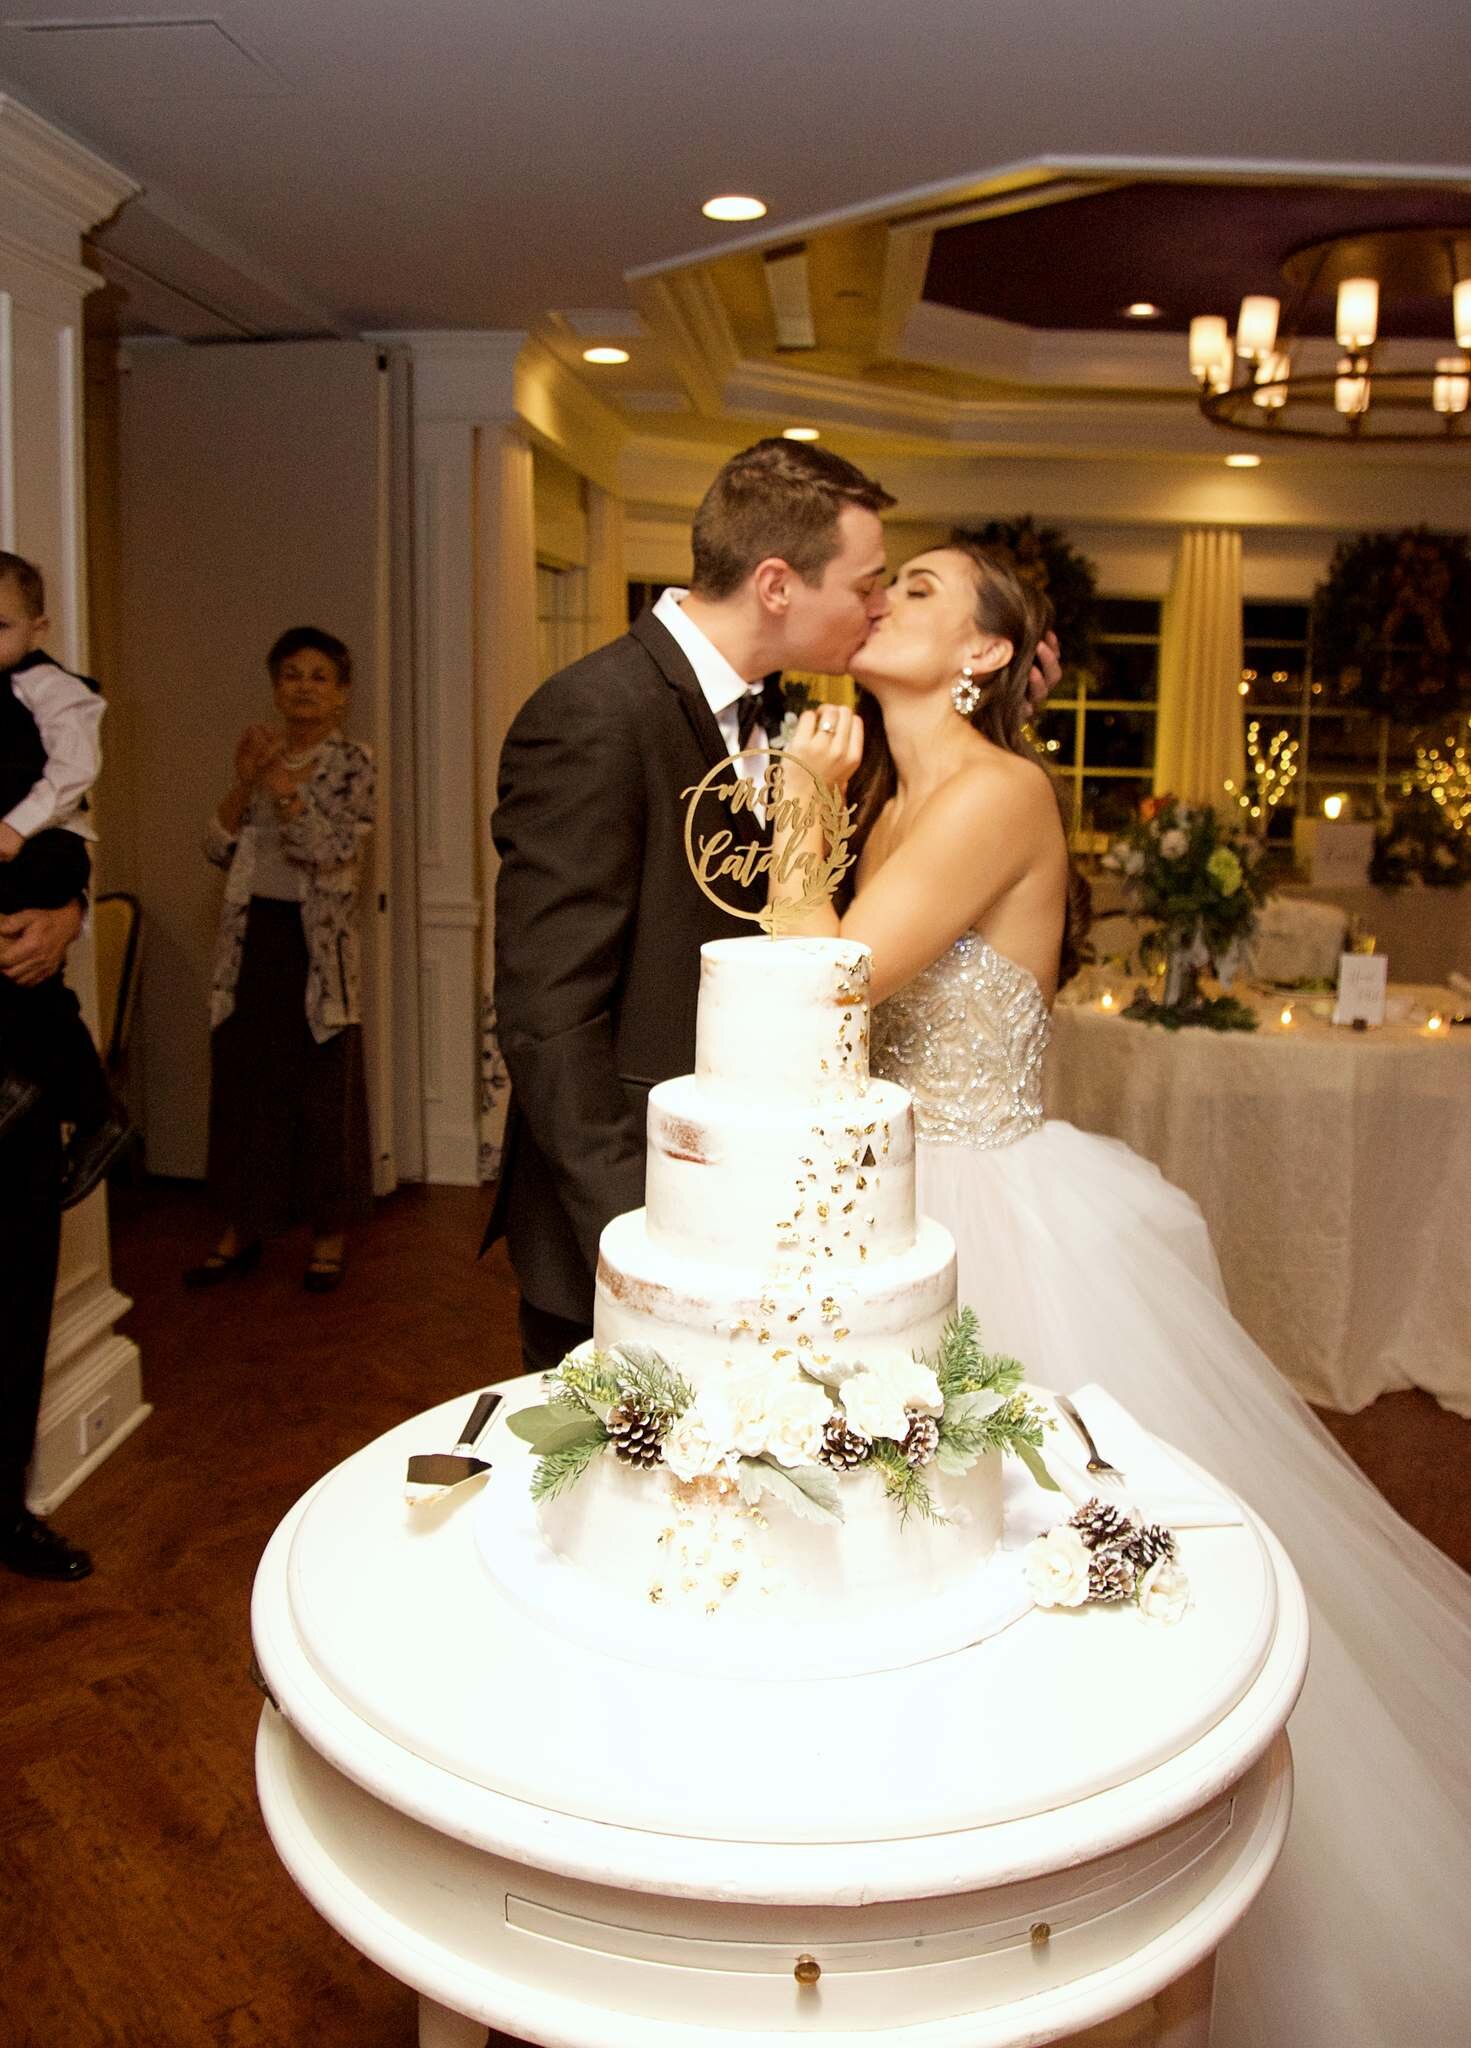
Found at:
(827, 725)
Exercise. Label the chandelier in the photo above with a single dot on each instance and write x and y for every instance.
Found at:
(1270, 377)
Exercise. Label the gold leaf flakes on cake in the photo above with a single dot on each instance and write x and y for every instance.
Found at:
(768, 1306)
(763, 1336)
(839, 1334)
(862, 1181)
(665, 1536)
(730, 1580)
(711, 1606)
(794, 1315)
(804, 1341)
(783, 1352)
(863, 1251)
(656, 1594)
(830, 1308)
(849, 1207)
(822, 1211)
(868, 1158)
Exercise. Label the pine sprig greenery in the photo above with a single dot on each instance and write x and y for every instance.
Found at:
(984, 1409)
(962, 1367)
(561, 1469)
(902, 1482)
(599, 1381)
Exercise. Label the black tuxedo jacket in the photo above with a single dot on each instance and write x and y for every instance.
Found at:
(598, 929)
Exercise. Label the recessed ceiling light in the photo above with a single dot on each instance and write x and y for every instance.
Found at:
(1243, 462)
(800, 434)
(733, 206)
(1141, 310)
(605, 355)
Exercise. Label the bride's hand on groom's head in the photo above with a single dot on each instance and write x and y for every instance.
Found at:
(1046, 671)
(828, 742)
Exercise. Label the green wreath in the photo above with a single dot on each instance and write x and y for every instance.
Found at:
(1054, 567)
(1392, 625)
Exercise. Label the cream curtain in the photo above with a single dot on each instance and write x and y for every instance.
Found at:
(1198, 744)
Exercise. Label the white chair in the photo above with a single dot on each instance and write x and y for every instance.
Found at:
(1297, 940)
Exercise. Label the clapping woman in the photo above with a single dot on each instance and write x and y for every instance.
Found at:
(288, 1123)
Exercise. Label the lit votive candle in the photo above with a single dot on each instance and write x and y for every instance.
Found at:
(1435, 1023)
(1105, 1001)
(1287, 1016)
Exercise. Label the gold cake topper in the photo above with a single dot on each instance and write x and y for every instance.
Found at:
(718, 854)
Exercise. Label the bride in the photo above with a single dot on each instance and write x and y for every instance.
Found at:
(1084, 1262)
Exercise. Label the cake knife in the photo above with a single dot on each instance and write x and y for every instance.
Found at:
(432, 1473)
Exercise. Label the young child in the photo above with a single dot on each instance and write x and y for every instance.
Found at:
(49, 759)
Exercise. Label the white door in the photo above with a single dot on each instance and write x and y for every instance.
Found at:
(256, 495)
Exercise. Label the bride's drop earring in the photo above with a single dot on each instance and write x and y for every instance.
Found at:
(966, 694)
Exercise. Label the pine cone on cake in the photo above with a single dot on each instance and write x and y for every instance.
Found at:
(1099, 1522)
(1111, 1575)
(921, 1439)
(637, 1432)
(843, 1447)
(1151, 1543)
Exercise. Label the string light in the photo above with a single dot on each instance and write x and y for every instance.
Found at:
(1444, 774)
(1273, 771)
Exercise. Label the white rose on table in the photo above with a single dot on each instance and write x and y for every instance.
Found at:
(878, 1400)
(1133, 861)
(696, 1445)
(1057, 1568)
(1164, 1591)
(796, 1417)
(1173, 844)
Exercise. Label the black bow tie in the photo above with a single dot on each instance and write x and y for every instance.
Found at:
(765, 707)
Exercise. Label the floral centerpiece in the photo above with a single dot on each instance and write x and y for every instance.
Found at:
(1197, 880)
(791, 1437)
(1105, 1556)
(1420, 847)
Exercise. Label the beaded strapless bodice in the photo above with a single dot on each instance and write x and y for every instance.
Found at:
(967, 1038)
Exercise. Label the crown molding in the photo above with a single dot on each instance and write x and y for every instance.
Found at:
(686, 312)
(55, 191)
(464, 374)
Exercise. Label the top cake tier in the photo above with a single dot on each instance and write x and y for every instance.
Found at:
(783, 1019)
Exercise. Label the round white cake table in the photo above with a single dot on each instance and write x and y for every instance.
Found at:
(460, 1798)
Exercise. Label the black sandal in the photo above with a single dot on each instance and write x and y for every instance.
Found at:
(222, 1266)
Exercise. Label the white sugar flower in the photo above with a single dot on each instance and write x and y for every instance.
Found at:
(880, 1400)
(1172, 844)
(696, 1445)
(1057, 1568)
(1164, 1591)
(795, 1420)
(736, 1409)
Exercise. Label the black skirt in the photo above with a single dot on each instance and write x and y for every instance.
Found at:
(288, 1118)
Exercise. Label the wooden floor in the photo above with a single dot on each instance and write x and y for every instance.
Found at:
(141, 1905)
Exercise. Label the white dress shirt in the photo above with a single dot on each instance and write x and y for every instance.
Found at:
(721, 687)
(67, 716)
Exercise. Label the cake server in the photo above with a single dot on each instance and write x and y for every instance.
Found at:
(431, 1473)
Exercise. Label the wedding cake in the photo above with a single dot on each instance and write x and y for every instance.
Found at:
(781, 1418)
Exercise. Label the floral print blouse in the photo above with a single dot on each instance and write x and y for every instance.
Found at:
(326, 837)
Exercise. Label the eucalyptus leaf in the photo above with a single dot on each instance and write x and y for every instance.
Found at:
(956, 1463)
(1032, 1459)
(808, 1491)
(974, 1407)
(549, 1429)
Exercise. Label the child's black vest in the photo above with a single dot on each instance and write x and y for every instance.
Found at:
(22, 756)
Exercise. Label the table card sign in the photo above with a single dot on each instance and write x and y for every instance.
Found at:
(1363, 984)
(1336, 851)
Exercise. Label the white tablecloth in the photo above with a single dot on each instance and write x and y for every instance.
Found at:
(1334, 1169)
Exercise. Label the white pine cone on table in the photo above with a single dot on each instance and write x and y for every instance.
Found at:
(1099, 1522)
(1151, 1543)
(1111, 1575)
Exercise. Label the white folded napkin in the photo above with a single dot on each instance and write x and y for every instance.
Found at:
(1154, 1481)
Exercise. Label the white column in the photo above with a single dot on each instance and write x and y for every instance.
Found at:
(52, 191)
(607, 568)
(505, 676)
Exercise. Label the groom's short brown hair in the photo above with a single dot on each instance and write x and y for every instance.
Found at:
(778, 498)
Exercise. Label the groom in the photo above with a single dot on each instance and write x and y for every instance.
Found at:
(598, 919)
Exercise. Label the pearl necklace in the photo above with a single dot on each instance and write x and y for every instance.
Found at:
(294, 761)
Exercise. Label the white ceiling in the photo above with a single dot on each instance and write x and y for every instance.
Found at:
(368, 164)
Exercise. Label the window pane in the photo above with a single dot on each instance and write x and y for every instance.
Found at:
(1273, 675)
(1274, 622)
(1342, 740)
(1118, 739)
(1128, 671)
(1128, 615)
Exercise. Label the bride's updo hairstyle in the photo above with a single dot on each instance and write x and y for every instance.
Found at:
(1012, 610)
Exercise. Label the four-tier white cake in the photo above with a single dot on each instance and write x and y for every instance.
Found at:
(803, 1459)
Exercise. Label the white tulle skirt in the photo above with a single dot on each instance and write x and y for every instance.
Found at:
(1081, 1260)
